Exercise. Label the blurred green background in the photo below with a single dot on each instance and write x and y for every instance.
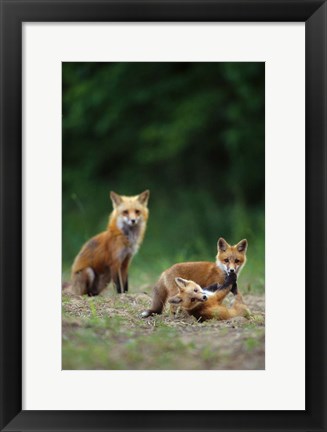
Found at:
(192, 133)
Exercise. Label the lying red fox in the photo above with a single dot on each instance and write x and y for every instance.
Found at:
(205, 304)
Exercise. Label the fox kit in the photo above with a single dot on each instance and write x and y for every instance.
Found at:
(203, 304)
(106, 257)
(229, 259)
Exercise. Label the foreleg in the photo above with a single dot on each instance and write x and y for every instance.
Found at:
(118, 280)
(124, 273)
(221, 291)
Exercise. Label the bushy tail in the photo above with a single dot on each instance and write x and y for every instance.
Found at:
(65, 285)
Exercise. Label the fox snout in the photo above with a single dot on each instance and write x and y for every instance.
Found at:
(199, 299)
(131, 220)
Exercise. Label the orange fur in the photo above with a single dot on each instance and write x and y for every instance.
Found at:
(203, 307)
(202, 272)
(106, 257)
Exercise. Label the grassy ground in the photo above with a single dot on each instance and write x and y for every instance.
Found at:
(106, 332)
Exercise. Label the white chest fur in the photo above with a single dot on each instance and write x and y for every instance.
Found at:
(132, 233)
(208, 293)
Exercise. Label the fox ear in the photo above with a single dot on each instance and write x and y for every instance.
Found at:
(143, 198)
(182, 283)
(222, 245)
(115, 198)
(175, 300)
(242, 246)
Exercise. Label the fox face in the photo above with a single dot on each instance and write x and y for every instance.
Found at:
(231, 258)
(130, 211)
(190, 294)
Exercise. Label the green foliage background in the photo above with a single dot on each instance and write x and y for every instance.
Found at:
(192, 133)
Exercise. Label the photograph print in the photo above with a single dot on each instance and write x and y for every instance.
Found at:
(163, 216)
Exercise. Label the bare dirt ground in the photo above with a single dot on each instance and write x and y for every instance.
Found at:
(107, 332)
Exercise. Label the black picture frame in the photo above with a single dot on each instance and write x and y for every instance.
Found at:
(13, 14)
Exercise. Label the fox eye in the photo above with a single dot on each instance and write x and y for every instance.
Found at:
(226, 260)
(196, 290)
(137, 212)
(125, 212)
(237, 261)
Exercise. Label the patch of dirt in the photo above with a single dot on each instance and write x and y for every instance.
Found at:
(111, 325)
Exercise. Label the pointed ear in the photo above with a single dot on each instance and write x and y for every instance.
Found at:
(222, 245)
(174, 300)
(115, 198)
(182, 283)
(143, 198)
(242, 246)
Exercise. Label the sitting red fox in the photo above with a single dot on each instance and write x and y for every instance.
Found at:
(106, 256)
(229, 259)
(204, 304)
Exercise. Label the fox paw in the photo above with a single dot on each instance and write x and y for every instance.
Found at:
(231, 279)
(145, 314)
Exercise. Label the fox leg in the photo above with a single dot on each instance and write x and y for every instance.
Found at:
(158, 301)
(239, 308)
(121, 283)
(85, 282)
(91, 282)
(120, 276)
(222, 292)
(104, 280)
(230, 285)
(118, 280)
(124, 273)
(221, 312)
(234, 289)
